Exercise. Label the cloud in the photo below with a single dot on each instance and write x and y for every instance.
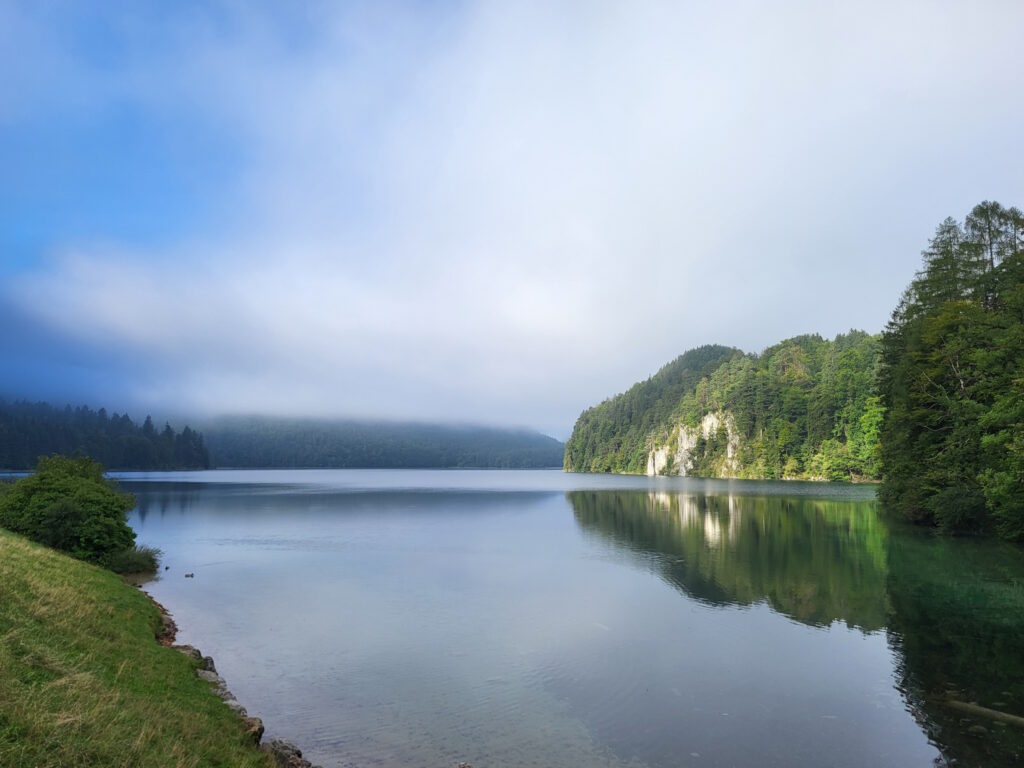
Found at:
(506, 212)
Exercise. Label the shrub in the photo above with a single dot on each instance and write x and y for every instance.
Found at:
(68, 504)
(135, 560)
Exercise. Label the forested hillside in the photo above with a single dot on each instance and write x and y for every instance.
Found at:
(953, 380)
(30, 430)
(804, 408)
(277, 442)
(615, 436)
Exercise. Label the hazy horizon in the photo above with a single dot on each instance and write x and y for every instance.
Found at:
(199, 419)
(468, 212)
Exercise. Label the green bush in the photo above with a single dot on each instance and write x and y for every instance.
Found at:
(135, 560)
(69, 505)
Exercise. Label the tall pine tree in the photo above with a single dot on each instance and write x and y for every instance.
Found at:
(952, 362)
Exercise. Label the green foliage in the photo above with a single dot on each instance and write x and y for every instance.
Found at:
(69, 505)
(953, 360)
(135, 560)
(31, 430)
(803, 408)
(615, 436)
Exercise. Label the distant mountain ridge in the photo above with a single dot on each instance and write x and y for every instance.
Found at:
(265, 442)
(803, 409)
(30, 430)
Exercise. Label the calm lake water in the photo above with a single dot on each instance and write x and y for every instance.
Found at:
(533, 618)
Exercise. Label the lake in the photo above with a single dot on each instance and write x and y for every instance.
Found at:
(535, 618)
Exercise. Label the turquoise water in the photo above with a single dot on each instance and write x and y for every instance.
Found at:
(533, 618)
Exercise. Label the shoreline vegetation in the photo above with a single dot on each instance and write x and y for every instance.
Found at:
(932, 408)
(88, 677)
(83, 680)
(86, 673)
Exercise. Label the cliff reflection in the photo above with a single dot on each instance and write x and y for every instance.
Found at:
(814, 561)
(953, 610)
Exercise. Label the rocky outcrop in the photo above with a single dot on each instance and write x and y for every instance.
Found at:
(657, 461)
(677, 457)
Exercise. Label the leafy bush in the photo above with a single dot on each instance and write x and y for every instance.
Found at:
(135, 560)
(69, 505)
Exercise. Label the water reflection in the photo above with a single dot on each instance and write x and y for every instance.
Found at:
(815, 561)
(401, 618)
(953, 610)
(958, 625)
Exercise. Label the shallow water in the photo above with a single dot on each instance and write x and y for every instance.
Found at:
(532, 618)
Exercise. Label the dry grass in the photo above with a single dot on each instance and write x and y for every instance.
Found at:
(84, 683)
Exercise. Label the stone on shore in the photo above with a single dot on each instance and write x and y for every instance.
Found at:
(254, 729)
(286, 754)
(211, 677)
(190, 650)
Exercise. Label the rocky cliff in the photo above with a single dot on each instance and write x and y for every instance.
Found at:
(689, 446)
(804, 409)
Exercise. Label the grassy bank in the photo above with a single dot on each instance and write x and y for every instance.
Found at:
(83, 681)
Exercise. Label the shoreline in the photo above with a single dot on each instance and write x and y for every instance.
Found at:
(284, 753)
(818, 480)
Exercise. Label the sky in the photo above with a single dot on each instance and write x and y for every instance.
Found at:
(483, 212)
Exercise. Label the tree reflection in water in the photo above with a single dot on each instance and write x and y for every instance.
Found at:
(953, 610)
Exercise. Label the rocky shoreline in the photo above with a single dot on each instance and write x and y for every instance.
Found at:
(284, 753)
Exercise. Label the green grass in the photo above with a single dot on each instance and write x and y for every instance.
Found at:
(83, 681)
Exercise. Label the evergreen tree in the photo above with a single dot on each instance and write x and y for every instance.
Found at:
(30, 430)
(952, 358)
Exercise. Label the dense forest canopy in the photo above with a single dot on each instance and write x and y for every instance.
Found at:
(279, 442)
(952, 380)
(805, 407)
(30, 430)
